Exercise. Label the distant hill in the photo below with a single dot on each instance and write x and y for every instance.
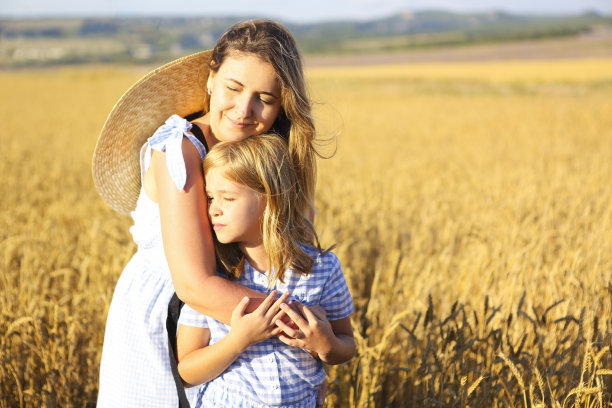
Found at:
(42, 42)
(428, 29)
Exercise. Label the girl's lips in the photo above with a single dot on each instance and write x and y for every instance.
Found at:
(217, 227)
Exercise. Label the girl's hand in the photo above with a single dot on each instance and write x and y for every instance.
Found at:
(313, 333)
(248, 329)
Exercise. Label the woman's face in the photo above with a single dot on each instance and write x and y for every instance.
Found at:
(245, 97)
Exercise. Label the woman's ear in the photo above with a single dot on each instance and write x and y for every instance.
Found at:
(211, 76)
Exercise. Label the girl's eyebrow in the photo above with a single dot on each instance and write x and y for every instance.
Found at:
(224, 191)
(260, 92)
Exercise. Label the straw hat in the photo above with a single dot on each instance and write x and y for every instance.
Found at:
(175, 88)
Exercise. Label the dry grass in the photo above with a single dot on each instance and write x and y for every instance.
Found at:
(472, 213)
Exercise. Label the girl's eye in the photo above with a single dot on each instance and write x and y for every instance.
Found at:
(231, 89)
(228, 198)
(209, 199)
(265, 101)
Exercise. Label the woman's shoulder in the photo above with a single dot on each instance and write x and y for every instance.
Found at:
(172, 132)
(183, 151)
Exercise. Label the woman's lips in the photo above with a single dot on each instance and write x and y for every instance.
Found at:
(238, 124)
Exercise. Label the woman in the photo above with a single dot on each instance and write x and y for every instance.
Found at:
(254, 82)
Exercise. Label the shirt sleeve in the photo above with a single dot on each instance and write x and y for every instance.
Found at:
(336, 297)
(169, 138)
(190, 317)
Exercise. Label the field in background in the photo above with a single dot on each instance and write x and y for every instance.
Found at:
(470, 203)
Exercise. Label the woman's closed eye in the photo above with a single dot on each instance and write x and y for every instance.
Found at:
(266, 101)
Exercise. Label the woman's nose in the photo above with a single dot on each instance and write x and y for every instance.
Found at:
(244, 105)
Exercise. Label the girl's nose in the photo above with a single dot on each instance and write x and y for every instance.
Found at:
(213, 209)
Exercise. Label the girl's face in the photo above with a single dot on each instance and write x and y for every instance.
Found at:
(235, 210)
(245, 97)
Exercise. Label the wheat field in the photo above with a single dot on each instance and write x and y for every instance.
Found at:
(470, 204)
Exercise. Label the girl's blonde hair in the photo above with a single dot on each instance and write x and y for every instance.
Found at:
(273, 43)
(263, 164)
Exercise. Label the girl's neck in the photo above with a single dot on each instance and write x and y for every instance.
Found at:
(256, 255)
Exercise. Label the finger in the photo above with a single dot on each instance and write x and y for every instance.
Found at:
(318, 311)
(289, 341)
(287, 320)
(275, 332)
(290, 331)
(275, 308)
(267, 302)
(308, 313)
(241, 306)
(295, 316)
(304, 311)
(279, 316)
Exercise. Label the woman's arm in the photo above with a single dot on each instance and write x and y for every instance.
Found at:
(187, 238)
(199, 362)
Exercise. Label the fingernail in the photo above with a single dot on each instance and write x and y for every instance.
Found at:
(283, 306)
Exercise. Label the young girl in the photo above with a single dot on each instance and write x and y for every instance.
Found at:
(263, 242)
(250, 83)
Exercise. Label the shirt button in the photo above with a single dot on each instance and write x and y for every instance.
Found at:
(270, 359)
(275, 386)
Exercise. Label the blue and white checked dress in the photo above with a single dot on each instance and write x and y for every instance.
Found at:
(135, 368)
(270, 373)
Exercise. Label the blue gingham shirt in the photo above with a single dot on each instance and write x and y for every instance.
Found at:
(271, 373)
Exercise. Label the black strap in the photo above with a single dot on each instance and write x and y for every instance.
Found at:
(174, 310)
(197, 132)
(176, 304)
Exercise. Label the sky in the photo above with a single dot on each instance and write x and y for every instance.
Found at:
(295, 11)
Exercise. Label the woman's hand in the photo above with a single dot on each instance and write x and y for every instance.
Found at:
(248, 329)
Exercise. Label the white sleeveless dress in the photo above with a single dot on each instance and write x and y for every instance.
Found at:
(135, 367)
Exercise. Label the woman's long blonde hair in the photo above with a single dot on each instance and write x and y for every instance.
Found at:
(273, 43)
(263, 164)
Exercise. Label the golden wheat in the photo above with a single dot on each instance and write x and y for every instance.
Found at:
(470, 204)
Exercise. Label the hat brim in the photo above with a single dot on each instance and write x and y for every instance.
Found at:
(175, 88)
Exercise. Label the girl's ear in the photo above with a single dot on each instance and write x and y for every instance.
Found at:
(263, 206)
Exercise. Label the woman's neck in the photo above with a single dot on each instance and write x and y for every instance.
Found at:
(256, 255)
(204, 124)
